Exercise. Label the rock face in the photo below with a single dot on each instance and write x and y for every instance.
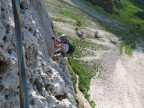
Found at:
(49, 84)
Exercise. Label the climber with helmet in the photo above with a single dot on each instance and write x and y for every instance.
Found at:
(63, 46)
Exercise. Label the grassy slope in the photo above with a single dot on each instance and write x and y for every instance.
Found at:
(126, 17)
(62, 11)
(126, 14)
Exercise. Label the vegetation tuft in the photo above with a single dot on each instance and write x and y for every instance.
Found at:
(85, 73)
(39, 86)
(3, 66)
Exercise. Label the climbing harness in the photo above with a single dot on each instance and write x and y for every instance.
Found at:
(24, 100)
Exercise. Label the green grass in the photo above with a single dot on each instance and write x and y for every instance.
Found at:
(73, 75)
(77, 17)
(3, 66)
(127, 14)
(124, 14)
(127, 18)
(128, 49)
(64, 11)
(59, 19)
(73, 79)
(85, 73)
(83, 45)
(85, 70)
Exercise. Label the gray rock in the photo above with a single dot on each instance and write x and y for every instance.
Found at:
(49, 83)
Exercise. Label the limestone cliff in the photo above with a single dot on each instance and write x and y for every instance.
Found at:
(49, 84)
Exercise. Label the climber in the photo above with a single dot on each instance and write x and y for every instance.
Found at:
(63, 46)
(96, 34)
(79, 34)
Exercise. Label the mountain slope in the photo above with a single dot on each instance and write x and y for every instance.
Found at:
(119, 77)
(126, 12)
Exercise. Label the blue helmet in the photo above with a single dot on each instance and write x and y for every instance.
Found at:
(63, 37)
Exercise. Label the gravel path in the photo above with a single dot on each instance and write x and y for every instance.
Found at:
(121, 85)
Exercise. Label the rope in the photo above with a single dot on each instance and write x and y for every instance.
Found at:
(24, 100)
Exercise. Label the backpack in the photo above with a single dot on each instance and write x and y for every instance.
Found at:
(72, 46)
